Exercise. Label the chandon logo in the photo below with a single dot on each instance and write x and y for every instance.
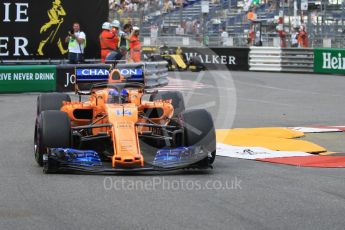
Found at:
(92, 72)
(105, 72)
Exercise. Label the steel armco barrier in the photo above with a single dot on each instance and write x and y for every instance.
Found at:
(281, 59)
(156, 73)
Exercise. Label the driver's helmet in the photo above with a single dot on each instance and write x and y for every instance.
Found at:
(124, 96)
(115, 97)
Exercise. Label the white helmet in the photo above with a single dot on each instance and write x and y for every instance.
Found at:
(115, 23)
(135, 28)
(106, 26)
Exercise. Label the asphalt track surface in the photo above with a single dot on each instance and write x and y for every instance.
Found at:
(236, 194)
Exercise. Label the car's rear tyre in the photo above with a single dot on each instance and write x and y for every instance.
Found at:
(53, 130)
(196, 61)
(51, 101)
(199, 130)
(175, 96)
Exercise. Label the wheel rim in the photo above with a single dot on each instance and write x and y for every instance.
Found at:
(37, 145)
(211, 157)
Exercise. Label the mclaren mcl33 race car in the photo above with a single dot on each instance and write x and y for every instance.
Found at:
(121, 127)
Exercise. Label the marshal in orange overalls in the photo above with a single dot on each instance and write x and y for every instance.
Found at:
(302, 39)
(108, 41)
(135, 48)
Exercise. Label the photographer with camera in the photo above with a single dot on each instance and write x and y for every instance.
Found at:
(76, 40)
(135, 45)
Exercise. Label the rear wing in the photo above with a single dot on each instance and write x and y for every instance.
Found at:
(132, 72)
(151, 74)
(87, 75)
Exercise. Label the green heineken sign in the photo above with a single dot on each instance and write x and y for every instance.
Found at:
(329, 61)
(36, 78)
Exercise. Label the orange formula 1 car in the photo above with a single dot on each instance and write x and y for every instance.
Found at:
(117, 130)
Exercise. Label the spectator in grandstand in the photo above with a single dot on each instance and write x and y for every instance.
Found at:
(183, 24)
(129, 6)
(120, 11)
(114, 4)
(179, 30)
(189, 27)
(251, 35)
(206, 40)
(135, 45)
(273, 5)
(251, 15)
(76, 40)
(167, 6)
(178, 3)
(257, 39)
(282, 35)
(196, 27)
(224, 37)
(106, 40)
(302, 37)
(294, 38)
(122, 4)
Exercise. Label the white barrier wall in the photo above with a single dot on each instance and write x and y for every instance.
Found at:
(281, 59)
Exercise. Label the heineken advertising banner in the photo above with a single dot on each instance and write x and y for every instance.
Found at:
(36, 78)
(33, 29)
(329, 60)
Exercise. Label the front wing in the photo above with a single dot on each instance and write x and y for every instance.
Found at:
(65, 160)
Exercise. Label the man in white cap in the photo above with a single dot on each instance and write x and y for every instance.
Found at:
(115, 24)
(107, 40)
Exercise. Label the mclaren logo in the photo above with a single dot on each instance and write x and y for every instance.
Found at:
(49, 30)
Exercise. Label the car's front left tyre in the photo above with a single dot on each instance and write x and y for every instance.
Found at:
(51, 101)
(52, 130)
